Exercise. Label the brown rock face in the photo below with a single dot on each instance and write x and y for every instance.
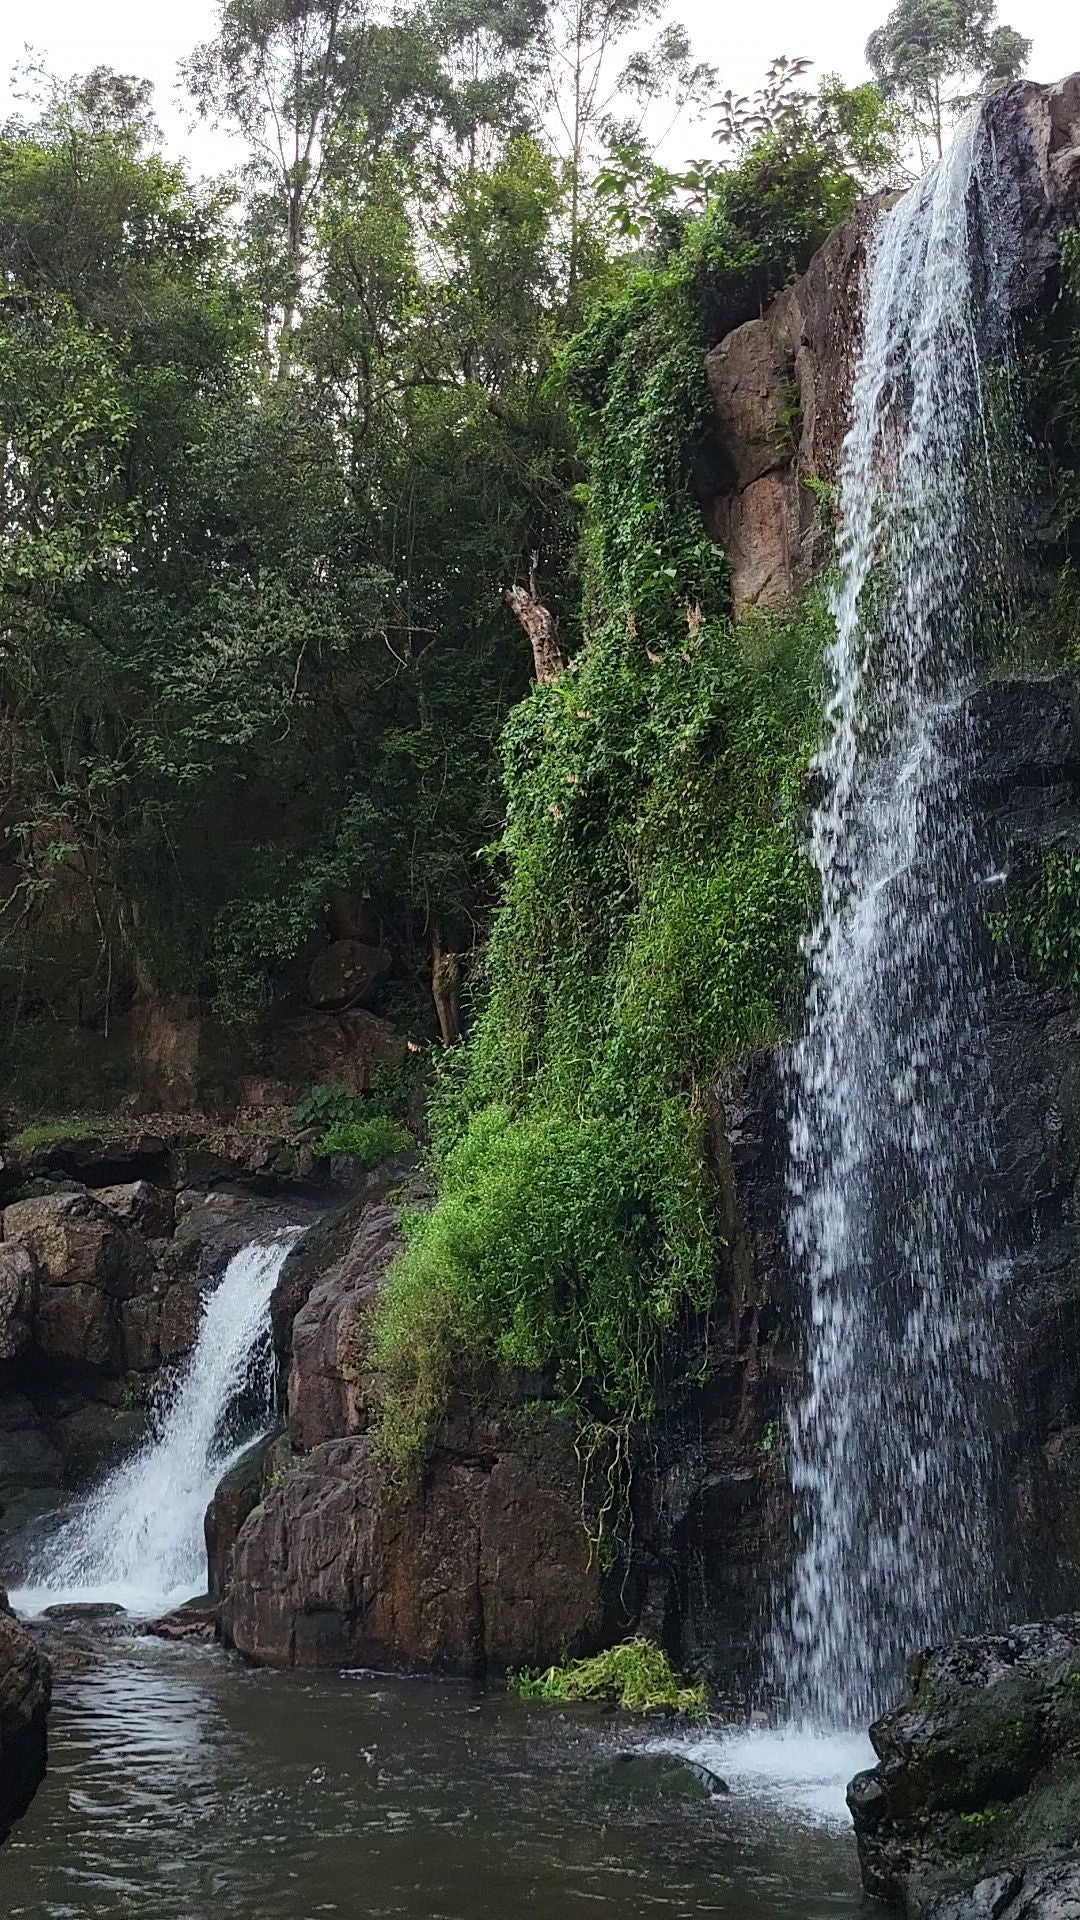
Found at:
(487, 1567)
(25, 1690)
(780, 389)
(345, 1048)
(346, 973)
(329, 1394)
(167, 1039)
(17, 1291)
(781, 384)
(86, 1265)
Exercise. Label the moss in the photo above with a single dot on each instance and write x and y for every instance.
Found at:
(637, 1676)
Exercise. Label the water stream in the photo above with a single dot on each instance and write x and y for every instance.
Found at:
(137, 1540)
(183, 1786)
(890, 1095)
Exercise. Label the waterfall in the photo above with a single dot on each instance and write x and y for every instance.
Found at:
(138, 1538)
(889, 1085)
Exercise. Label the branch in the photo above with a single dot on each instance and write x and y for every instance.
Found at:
(538, 623)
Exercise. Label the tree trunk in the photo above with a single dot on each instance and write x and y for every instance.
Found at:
(538, 622)
(446, 989)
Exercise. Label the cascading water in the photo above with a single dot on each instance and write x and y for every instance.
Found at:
(889, 1134)
(138, 1538)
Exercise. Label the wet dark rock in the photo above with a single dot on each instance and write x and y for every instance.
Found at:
(1047, 1889)
(642, 1778)
(485, 1567)
(237, 1495)
(976, 1796)
(25, 1691)
(197, 1619)
(85, 1610)
(329, 1388)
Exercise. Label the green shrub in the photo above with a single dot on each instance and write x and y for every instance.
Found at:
(637, 1677)
(326, 1106)
(368, 1141)
(1042, 917)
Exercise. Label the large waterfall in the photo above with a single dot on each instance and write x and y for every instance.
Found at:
(889, 1085)
(138, 1538)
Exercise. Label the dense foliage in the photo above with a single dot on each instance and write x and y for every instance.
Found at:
(654, 894)
(259, 589)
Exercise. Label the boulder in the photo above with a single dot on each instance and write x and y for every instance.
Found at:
(142, 1205)
(17, 1300)
(977, 1788)
(648, 1778)
(195, 1620)
(25, 1691)
(1047, 1889)
(485, 1567)
(75, 1241)
(345, 973)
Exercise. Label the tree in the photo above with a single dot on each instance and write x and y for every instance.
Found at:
(591, 105)
(929, 52)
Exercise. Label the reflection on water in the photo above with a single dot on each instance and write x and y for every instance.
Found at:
(182, 1786)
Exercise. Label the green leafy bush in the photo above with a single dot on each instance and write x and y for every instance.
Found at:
(1042, 917)
(326, 1106)
(637, 1676)
(654, 894)
(368, 1141)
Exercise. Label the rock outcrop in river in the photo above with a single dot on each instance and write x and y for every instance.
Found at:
(973, 1811)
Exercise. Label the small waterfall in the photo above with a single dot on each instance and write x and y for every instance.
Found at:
(889, 1086)
(138, 1538)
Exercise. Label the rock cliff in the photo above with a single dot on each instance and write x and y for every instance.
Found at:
(781, 384)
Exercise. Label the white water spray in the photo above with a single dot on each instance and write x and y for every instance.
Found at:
(138, 1539)
(890, 1093)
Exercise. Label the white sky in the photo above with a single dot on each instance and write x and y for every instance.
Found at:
(148, 38)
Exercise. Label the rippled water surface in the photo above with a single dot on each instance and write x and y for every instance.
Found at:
(182, 1786)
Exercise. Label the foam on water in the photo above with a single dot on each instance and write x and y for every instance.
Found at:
(137, 1539)
(791, 1771)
